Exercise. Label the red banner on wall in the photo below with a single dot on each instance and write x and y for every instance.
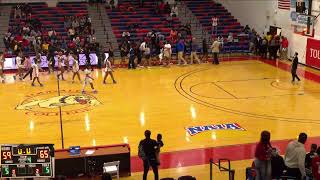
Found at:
(313, 53)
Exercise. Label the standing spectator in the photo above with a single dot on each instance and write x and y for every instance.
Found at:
(147, 152)
(263, 157)
(310, 156)
(284, 48)
(17, 11)
(272, 49)
(295, 157)
(294, 67)
(131, 64)
(194, 49)
(215, 50)
(230, 41)
(160, 145)
(316, 166)
(264, 48)
(277, 164)
(167, 51)
(180, 49)
(1, 66)
(204, 50)
(214, 28)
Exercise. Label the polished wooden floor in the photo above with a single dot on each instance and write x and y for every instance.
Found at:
(251, 93)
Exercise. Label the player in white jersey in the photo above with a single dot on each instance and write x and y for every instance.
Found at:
(88, 80)
(20, 65)
(60, 65)
(108, 70)
(35, 71)
(67, 60)
(1, 67)
(167, 51)
(75, 68)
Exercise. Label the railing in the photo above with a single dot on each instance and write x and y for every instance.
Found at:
(105, 32)
(231, 172)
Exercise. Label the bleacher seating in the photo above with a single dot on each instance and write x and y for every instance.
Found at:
(53, 17)
(204, 10)
(145, 17)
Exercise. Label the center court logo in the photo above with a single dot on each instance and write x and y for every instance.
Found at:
(198, 129)
(47, 103)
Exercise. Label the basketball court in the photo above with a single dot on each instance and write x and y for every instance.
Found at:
(196, 108)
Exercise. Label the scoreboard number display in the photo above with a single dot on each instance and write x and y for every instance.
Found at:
(27, 160)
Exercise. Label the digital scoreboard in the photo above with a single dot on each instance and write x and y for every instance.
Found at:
(27, 160)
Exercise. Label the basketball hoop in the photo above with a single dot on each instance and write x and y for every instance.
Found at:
(304, 24)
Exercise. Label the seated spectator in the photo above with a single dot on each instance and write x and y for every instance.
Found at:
(230, 38)
(295, 157)
(174, 11)
(161, 7)
(125, 35)
(246, 29)
(71, 33)
(75, 24)
(167, 8)
(315, 165)
(309, 157)
(277, 164)
(173, 35)
(45, 47)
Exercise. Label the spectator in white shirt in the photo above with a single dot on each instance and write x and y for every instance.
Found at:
(214, 29)
(215, 50)
(174, 11)
(295, 157)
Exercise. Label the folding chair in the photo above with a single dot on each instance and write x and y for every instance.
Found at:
(112, 168)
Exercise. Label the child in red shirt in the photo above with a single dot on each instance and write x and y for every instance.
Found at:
(316, 166)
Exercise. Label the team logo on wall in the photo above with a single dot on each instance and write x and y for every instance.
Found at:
(198, 129)
(47, 103)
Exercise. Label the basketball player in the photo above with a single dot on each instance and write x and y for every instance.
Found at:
(111, 54)
(28, 67)
(167, 51)
(60, 65)
(1, 67)
(67, 60)
(35, 70)
(19, 63)
(294, 67)
(75, 68)
(108, 70)
(88, 80)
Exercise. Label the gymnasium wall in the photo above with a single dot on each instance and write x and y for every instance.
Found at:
(261, 14)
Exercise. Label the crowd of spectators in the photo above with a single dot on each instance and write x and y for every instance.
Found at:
(296, 163)
(267, 45)
(29, 36)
